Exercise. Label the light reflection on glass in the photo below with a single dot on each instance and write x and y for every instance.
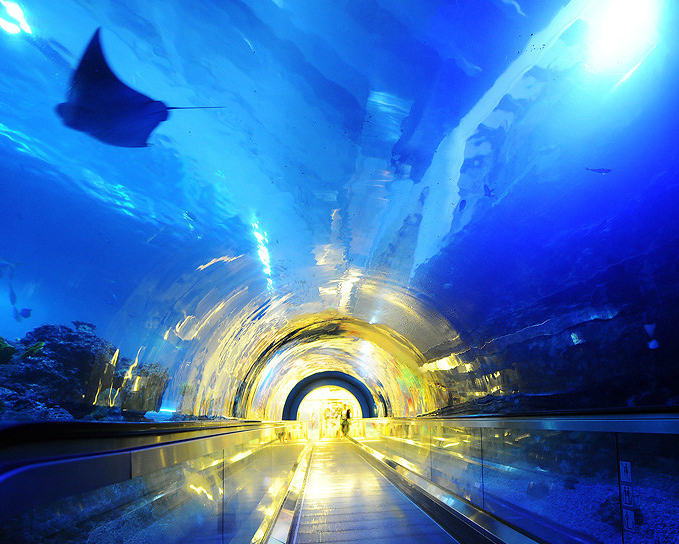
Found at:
(241, 455)
(199, 490)
(623, 33)
(8, 27)
(16, 13)
(224, 259)
(262, 251)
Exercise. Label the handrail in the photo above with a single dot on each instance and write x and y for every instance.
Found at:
(24, 443)
(653, 423)
(14, 432)
(61, 467)
(451, 412)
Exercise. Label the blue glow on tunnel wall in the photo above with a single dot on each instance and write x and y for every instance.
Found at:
(456, 208)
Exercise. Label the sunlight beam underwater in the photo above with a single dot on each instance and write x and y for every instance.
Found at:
(101, 105)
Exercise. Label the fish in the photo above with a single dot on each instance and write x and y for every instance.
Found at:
(487, 191)
(463, 203)
(101, 105)
(599, 170)
(6, 266)
(25, 313)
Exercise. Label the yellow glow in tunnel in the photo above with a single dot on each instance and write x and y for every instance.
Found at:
(241, 356)
(323, 408)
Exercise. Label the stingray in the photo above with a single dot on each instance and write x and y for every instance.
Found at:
(101, 105)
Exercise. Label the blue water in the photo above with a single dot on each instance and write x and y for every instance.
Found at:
(422, 166)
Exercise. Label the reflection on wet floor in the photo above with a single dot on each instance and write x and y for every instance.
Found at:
(346, 500)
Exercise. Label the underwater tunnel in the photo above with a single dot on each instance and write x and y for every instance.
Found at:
(283, 271)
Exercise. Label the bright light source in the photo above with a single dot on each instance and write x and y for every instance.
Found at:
(14, 11)
(623, 33)
(8, 27)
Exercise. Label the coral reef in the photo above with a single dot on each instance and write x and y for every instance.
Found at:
(7, 351)
(59, 372)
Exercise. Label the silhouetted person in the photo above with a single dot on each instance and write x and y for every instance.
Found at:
(345, 422)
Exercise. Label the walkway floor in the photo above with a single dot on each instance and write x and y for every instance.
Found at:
(346, 500)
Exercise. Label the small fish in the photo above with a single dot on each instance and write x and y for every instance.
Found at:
(25, 313)
(599, 170)
(487, 191)
(463, 203)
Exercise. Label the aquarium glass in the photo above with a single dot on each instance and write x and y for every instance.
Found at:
(468, 206)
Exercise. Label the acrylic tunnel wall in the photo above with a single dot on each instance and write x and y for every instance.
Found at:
(468, 207)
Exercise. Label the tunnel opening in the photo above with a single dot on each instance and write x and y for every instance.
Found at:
(323, 409)
(390, 371)
(340, 380)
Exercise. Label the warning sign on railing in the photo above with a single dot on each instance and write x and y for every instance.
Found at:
(626, 471)
(628, 520)
(627, 496)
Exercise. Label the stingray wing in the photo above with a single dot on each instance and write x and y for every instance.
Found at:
(95, 86)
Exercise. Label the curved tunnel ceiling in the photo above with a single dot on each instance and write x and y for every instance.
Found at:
(455, 203)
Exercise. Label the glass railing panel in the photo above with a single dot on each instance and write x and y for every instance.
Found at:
(456, 461)
(229, 495)
(365, 429)
(393, 434)
(415, 447)
(163, 506)
(391, 439)
(583, 483)
(554, 484)
(405, 441)
(257, 488)
(649, 488)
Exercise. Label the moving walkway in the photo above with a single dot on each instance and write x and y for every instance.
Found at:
(477, 479)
